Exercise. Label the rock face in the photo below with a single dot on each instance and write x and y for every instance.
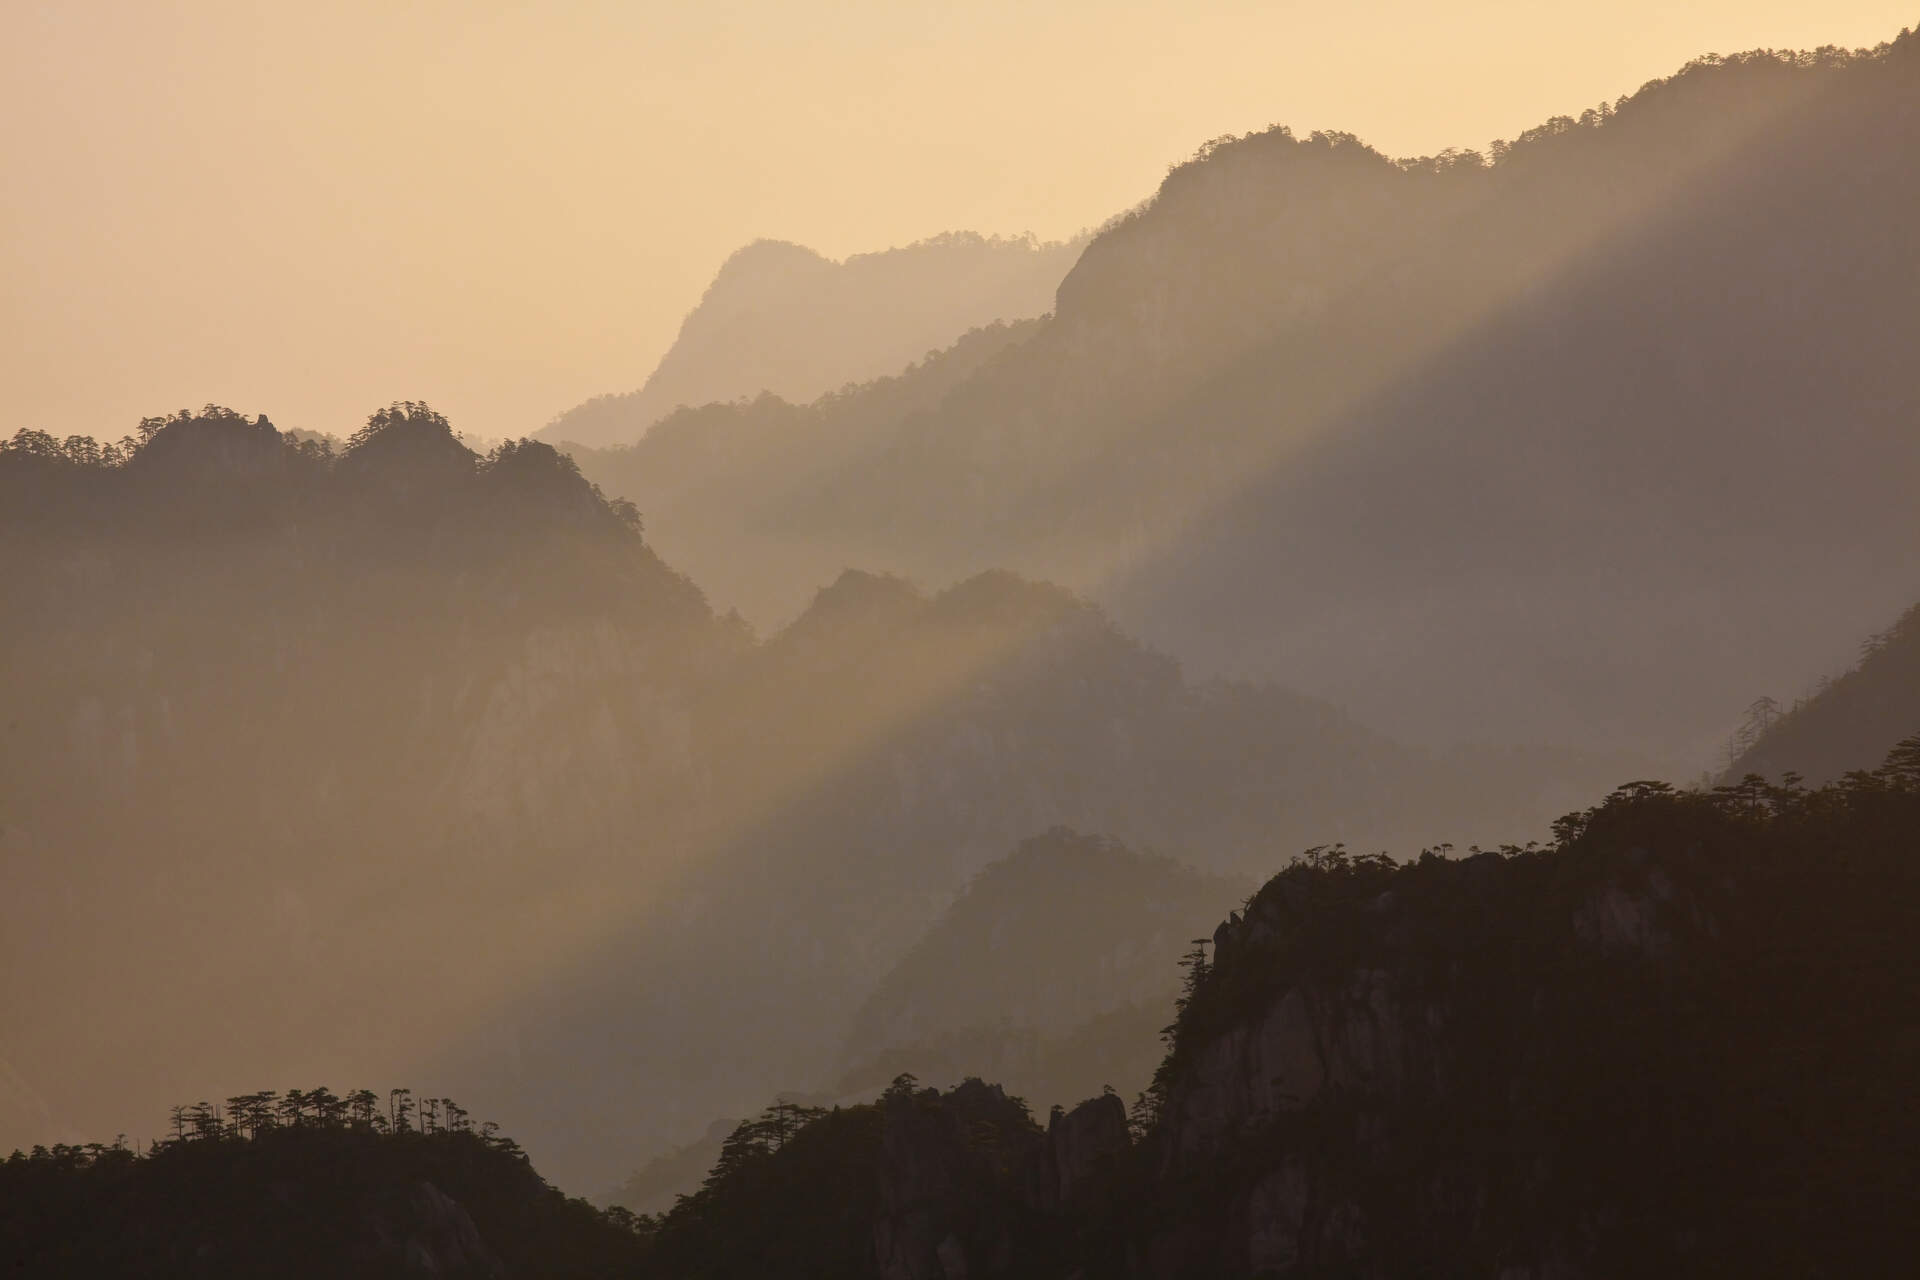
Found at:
(954, 1174)
(1477, 1058)
(970, 1187)
(426, 1232)
(1083, 1147)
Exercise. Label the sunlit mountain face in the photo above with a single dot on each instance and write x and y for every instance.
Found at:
(1358, 716)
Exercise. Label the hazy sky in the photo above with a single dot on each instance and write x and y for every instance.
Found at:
(310, 209)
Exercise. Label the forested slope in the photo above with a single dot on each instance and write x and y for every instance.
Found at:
(1850, 722)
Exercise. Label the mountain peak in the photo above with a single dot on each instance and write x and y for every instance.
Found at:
(782, 318)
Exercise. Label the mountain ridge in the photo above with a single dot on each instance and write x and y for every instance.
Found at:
(1279, 404)
(780, 319)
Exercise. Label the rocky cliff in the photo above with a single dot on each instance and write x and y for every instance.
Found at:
(1612, 1057)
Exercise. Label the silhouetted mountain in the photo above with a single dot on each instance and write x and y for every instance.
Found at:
(1851, 722)
(702, 474)
(299, 1194)
(1538, 444)
(784, 321)
(1615, 1055)
(306, 759)
(863, 764)
(1001, 986)
(415, 754)
(1616, 1049)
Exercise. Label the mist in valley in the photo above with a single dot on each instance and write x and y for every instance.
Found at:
(1335, 688)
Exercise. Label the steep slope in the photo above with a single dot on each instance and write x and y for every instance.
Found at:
(1854, 719)
(1535, 445)
(782, 320)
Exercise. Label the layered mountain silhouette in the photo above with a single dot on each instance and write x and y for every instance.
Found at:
(861, 766)
(782, 320)
(998, 989)
(413, 752)
(1532, 445)
(818, 737)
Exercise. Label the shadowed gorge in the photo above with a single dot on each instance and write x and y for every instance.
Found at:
(1359, 719)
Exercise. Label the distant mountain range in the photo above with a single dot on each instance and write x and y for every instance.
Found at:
(1588, 440)
(820, 750)
(782, 320)
(315, 761)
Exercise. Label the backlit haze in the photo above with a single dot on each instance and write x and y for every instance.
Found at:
(313, 210)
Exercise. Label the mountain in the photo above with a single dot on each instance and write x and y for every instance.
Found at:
(326, 764)
(781, 320)
(1851, 722)
(300, 1194)
(1529, 446)
(861, 766)
(713, 481)
(998, 988)
(307, 759)
(1614, 1055)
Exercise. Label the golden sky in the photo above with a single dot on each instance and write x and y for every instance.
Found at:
(312, 209)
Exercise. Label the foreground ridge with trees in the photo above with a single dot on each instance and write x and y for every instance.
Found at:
(304, 1183)
(1678, 1039)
